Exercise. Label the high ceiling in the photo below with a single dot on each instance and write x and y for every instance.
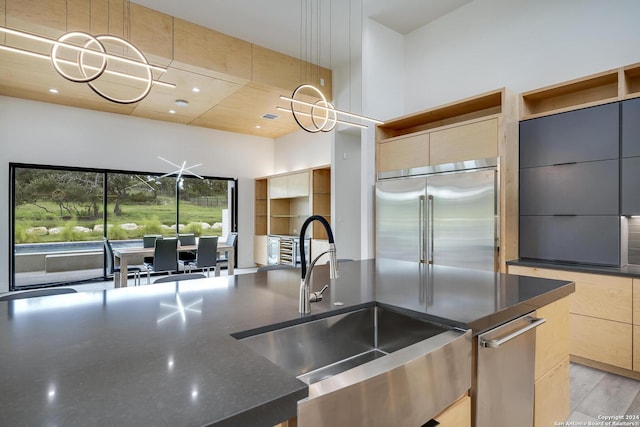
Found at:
(277, 24)
(230, 98)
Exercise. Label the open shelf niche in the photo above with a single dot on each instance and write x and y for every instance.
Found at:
(260, 224)
(596, 89)
(321, 199)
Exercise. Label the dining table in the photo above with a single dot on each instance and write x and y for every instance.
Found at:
(123, 257)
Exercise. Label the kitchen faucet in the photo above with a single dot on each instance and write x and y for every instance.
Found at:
(306, 297)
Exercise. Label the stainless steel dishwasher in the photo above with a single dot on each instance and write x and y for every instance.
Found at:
(505, 374)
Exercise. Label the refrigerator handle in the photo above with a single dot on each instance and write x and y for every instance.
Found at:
(430, 230)
(421, 210)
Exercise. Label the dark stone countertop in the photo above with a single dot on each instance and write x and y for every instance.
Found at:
(625, 270)
(163, 354)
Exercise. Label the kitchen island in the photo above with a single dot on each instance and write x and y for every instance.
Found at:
(165, 355)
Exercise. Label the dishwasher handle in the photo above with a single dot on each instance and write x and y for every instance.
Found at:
(535, 322)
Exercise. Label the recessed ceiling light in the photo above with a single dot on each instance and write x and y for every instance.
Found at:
(258, 126)
(54, 90)
(195, 90)
(172, 111)
(181, 102)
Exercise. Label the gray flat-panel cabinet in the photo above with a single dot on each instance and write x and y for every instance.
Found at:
(580, 239)
(631, 186)
(589, 188)
(631, 128)
(576, 136)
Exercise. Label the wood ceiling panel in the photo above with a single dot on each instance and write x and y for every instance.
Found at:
(152, 33)
(242, 113)
(212, 50)
(162, 99)
(37, 16)
(31, 78)
(238, 81)
(275, 69)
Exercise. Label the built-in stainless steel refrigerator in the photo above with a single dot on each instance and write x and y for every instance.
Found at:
(446, 216)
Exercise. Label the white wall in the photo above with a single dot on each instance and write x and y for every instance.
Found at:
(40, 133)
(519, 44)
(383, 98)
(383, 71)
(302, 150)
(346, 209)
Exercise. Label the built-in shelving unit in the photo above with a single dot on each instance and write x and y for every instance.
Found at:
(480, 106)
(321, 199)
(631, 75)
(287, 215)
(260, 210)
(261, 220)
(284, 201)
(596, 89)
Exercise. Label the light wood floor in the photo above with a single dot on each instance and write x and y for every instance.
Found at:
(596, 393)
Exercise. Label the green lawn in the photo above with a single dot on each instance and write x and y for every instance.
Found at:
(150, 217)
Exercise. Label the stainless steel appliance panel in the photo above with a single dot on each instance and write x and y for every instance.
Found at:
(505, 374)
(273, 250)
(400, 219)
(462, 219)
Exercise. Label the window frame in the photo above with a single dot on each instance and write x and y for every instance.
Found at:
(13, 166)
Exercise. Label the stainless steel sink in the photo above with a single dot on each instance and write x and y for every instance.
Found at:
(372, 366)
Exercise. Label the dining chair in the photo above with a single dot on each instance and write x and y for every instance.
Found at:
(113, 269)
(187, 240)
(223, 261)
(206, 255)
(165, 257)
(149, 241)
(179, 277)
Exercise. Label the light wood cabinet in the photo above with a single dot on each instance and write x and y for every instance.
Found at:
(552, 337)
(456, 415)
(278, 187)
(552, 396)
(289, 186)
(404, 152)
(596, 295)
(471, 141)
(605, 297)
(260, 255)
(551, 379)
(636, 325)
(636, 301)
(601, 340)
(298, 185)
(601, 316)
(636, 348)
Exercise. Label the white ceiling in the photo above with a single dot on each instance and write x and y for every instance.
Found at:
(278, 24)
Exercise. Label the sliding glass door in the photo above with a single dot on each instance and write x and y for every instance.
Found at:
(60, 215)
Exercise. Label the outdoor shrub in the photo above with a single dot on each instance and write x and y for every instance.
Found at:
(117, 233)
(67, 234)
(194, 227)
(141, 197)
(21, 235)
(152, 226)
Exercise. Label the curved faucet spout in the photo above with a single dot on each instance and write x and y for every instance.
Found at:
(304, 303)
